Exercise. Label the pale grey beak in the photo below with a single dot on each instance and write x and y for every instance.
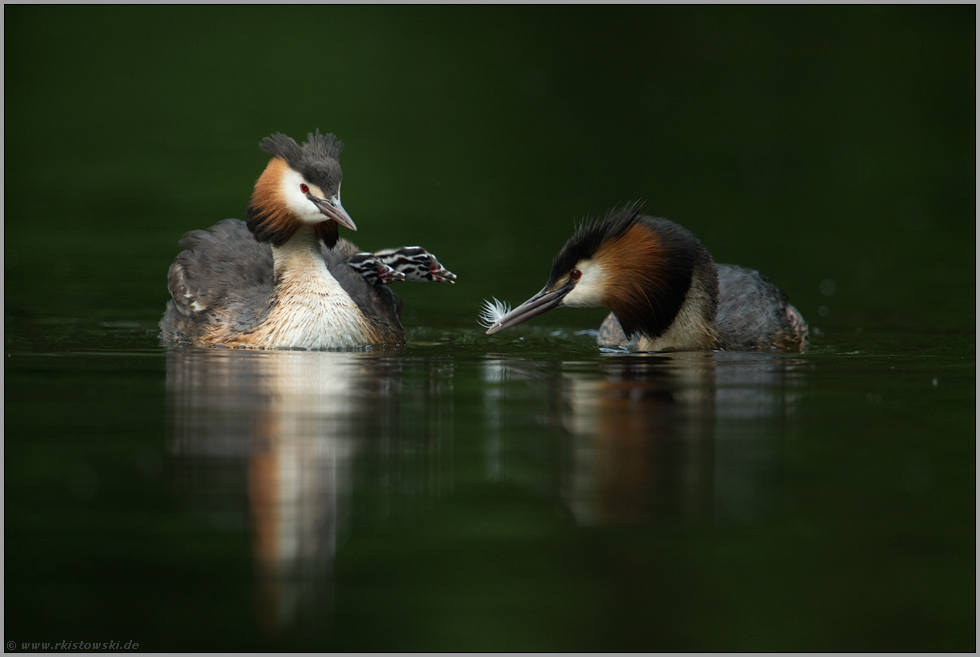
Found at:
(540, 303)
(334, 210)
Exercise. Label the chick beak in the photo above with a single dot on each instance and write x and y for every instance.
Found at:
(539, 304)
(332, 209)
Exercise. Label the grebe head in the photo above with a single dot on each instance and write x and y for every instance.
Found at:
(300, 186)
(639, 267)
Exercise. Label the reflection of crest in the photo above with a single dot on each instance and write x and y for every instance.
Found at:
(285, 427)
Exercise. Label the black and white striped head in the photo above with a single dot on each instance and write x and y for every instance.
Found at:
(300, 186)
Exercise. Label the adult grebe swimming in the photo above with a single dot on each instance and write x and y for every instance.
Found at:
(664, 290)
(283, 279)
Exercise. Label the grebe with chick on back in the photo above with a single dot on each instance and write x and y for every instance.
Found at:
(283, 278)
(664, 290)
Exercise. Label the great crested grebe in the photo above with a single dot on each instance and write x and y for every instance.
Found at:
(283, 278)
(664, 290)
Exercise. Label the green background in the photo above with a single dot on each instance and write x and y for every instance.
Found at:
(807, 142)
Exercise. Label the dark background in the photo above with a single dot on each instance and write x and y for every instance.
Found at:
(810, 143)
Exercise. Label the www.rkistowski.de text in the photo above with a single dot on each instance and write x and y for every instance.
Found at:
(73, 645)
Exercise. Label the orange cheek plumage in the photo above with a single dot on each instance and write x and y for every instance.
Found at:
(637, 269)
(268, 216)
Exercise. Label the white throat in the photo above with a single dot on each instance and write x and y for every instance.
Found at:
(311, 309)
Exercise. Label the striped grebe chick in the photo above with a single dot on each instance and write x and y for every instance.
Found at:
(283, 279)
(664, 290)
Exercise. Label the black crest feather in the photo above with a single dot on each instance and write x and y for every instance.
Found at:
(323, 146)
(317, 148)
(590, 235)
(316, 159)
(284, 146)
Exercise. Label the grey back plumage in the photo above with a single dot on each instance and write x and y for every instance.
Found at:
(224, 276)
(755, 314)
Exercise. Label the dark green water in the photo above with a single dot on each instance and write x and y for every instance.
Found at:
(519, 492)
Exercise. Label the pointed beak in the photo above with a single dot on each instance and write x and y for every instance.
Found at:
(334, 210)
(539, 304)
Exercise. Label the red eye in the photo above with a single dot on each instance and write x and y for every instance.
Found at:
(303, 188)
(575, 275)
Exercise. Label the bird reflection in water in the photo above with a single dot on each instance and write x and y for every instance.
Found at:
(684, 436)
(277, 441)
(280, 431)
